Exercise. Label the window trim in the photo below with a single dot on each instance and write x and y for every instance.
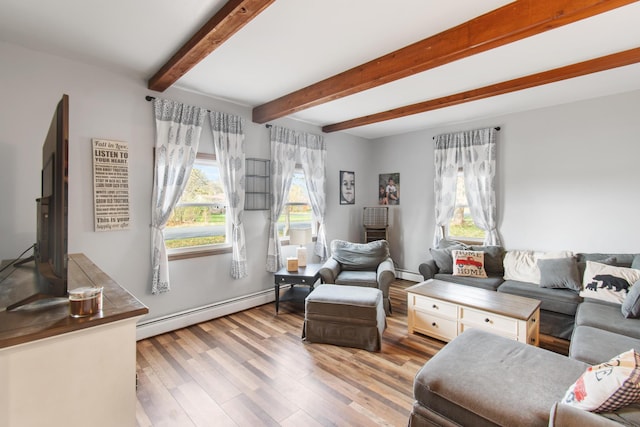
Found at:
(204, 250)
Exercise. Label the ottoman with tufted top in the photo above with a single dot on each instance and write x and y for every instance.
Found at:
(349, 316)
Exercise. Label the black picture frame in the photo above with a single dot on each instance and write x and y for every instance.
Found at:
(347, 187)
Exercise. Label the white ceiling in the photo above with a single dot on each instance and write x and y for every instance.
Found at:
(295, 43)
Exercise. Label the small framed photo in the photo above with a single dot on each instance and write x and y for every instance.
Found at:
(347, 188)
(389, 189)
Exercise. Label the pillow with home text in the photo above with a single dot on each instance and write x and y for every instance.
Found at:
(468, 263)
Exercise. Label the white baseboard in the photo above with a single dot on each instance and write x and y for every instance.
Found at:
(409, 275)
(161, 325)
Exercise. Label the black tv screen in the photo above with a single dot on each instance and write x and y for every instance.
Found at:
(51, 245)
(50, 250)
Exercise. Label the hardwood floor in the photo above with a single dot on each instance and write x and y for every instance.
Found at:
(253, 369)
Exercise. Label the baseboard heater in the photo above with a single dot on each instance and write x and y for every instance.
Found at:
(161, 325)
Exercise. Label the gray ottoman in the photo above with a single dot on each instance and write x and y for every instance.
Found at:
(349, 316)
(480, 379)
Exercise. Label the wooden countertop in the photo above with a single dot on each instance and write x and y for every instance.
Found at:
(47, 318)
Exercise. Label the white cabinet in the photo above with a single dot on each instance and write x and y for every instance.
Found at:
(444, 310)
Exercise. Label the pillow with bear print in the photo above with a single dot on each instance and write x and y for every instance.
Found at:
(607, 282)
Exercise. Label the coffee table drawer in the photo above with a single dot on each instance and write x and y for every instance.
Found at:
(435, 326)
(434, 306)
(489, 321)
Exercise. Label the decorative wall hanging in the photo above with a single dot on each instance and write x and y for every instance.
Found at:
(389, 189)
(110, 185)
(347, 188)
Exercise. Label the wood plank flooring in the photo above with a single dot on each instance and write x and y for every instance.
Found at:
(253, 369)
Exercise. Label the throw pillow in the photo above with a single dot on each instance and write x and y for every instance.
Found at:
(559, 273)
(608, 386)
(493, 259)
(443, 258)
(468, 263)
(636, 262)
(631, 304)
(359, 256)
(607, 282)
(523, 265)
(582, 265)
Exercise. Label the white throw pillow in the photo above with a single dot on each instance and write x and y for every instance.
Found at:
(608, 386)
(607, 282)
(523, 265)
(468, 263)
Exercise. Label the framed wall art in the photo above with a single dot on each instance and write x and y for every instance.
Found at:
(347, 188)
(389, 189)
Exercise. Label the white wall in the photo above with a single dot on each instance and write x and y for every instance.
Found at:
(112, 106)
(567, 179)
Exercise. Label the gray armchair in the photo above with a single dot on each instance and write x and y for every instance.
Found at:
(361, 264)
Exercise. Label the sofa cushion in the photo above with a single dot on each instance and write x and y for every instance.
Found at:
(636, 262)
(357, 278)
(468, 263)
(490, 283)
(606, 316)
(608, 283)
(493, 259)
(359, 256)
(444, 258)
(608, 386)
(522, 266)
(631, 304)
(592, 345)
(621, 260)
(478, 379)
(563, 301)
(559, 273)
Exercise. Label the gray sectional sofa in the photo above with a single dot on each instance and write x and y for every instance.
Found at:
(482, 379)
(558, 305)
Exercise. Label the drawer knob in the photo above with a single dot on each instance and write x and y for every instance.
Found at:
(434, 306)
(487, 320)
(434, 324)
(533, 320)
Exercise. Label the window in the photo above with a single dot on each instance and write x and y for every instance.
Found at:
(461, 226)
(199, 222)
(297, 212)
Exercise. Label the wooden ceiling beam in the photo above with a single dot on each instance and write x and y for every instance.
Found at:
(234, 15)
(603, 63)
(512, 22)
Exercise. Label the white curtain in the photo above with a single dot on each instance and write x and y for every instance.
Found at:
(313, 155)
(178, 129)
(283, 163)
(228, 140)
(475, 152)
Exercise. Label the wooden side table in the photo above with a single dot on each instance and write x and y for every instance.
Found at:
(306, 276)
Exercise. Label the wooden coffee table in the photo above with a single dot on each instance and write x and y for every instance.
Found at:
(444, 310)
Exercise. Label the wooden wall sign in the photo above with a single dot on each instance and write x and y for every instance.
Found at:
(110, 185)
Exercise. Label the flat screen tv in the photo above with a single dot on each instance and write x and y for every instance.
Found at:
(50, 250)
